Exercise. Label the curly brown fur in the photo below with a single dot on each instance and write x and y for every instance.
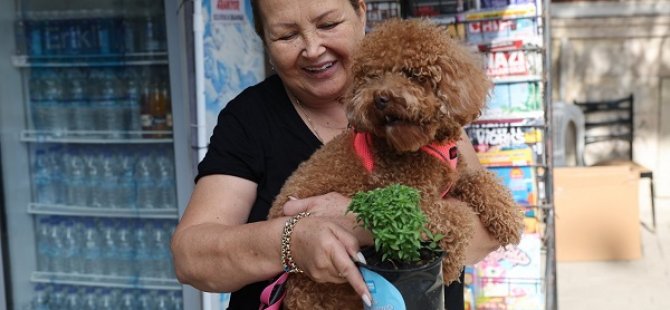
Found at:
(413, 86)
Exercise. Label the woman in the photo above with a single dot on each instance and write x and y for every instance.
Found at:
(224, 242)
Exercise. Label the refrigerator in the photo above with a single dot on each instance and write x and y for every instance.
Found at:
(96, 153)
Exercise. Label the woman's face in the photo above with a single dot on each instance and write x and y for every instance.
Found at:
(310, 44)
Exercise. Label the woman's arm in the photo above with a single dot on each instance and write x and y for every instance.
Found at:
(213, 248)
(482, 242)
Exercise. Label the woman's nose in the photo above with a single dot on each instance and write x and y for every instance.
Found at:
(313, 45)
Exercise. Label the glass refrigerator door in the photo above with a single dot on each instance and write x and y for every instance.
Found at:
(87, 128)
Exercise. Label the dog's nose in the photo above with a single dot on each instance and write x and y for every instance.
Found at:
(381, 101)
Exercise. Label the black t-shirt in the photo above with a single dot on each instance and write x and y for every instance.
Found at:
(260, 137)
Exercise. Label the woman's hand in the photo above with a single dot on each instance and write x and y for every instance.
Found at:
(334, 207)
(326, 244)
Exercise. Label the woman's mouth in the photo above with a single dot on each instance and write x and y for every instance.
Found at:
(321, 68)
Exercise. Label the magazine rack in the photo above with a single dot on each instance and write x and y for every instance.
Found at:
(512, 137)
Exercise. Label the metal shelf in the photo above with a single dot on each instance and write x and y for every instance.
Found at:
(105, 281)
(121, 60)
(66, 210)
(516, 79)
(96, 137)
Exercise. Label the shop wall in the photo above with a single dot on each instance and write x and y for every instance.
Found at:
(604, 50)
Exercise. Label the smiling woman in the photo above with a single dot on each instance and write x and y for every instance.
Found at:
(224, 241)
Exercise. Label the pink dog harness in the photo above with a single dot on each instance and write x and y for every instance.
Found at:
(447, 153)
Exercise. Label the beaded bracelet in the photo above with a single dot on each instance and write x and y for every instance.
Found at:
(286, 258)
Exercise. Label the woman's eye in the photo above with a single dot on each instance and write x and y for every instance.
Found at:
(286, 37)
(328, 26)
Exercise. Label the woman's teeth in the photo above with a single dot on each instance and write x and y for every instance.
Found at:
(324, 67)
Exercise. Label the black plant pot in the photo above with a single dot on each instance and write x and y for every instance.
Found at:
(421, 286)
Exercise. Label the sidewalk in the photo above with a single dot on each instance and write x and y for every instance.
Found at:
(617, 285)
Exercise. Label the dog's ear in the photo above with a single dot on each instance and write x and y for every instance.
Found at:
(463, 85)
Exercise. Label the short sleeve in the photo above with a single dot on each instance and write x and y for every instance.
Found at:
(233, 149)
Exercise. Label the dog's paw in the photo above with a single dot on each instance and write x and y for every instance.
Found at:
(494, 203)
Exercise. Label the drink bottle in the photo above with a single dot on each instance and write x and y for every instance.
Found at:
(71, 247)
(165, 183)
(143, 251)
(42, 234)
(92, 256)
(125, 250)
(40, 299)
(145, 182)
(45, 189)
(110, 255)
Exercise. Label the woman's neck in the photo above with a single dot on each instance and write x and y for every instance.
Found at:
(326, 120)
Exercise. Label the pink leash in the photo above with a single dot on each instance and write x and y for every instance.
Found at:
(269, 298)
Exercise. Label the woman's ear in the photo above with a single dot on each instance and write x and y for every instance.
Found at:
(362, 11)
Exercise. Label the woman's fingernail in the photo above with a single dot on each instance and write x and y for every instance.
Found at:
(292, 198)
(366, 300)
(361, 258)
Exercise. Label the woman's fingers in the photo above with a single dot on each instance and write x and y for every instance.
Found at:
(343, 262)
(331, 204)
(327, 251)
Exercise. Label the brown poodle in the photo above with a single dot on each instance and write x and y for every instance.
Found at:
(414, 89)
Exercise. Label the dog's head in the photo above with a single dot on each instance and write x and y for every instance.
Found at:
(413, 85)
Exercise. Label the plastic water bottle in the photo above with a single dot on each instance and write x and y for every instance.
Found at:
(58, 296)
(104, 28)
(71, 247)
(88, 33)
(45, 189)
(110, 112)
(93, 182)
(92, 261)
(77, 192)
(56, 247)
(107, 301)
(163, 302)
(133, 102)
(160, 254)
(126, 184)
(70, 32)
(36, 85)
(144, 178)
(165, 184)
(33, 32)
(56, 153)
(125, 250)
(145, 300)
(77, 96)
(110, 256)
(42, 234)
(143, 251)
(89, 299)
(177, 300)
(40, 299)
(127, 300)
(55, 117)
(51, 34)
(73, 299)
(109, 181)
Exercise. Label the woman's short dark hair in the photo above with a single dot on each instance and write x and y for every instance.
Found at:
(258, 23)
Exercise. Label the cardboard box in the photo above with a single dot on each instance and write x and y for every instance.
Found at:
(597, 213)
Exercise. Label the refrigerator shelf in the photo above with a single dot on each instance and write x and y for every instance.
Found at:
(119, 60)
(66, 210)
(97, 137)
(105, 281)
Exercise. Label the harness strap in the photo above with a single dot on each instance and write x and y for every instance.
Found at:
(446, 153)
